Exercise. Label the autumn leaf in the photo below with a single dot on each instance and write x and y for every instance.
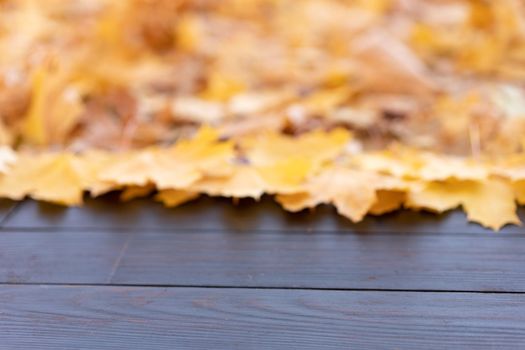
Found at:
(173, 168)
(174, 198)
(50, 177)
(350, 191)
(390, 65)
(519, 189)
(284, 162)
(90, 165)
(133, 192)
(369, 106)
(7, 158)
(318, 146)
(285, 175)
(387, 201)
(55, 109)
(410, 163)
(490, 203)
(244, 182)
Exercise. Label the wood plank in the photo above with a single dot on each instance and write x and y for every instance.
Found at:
(481, 263)
(61, 257)
(221, 214)
(6, 207)
(332, 260)
(60, 317)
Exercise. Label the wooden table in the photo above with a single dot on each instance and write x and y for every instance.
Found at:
(212, 276)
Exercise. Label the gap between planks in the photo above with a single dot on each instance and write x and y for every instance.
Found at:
(188, 230)
(10, 212)
(183, 286)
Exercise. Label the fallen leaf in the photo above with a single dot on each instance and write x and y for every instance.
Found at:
(174, 198)
(413, 164)
(387, 201)
(519, 189)
(316, 147)
(350, 191)
(490, 203)
(48, 177)
(244, 182)
(55, 108)
(7, 158)
(173, 168)
(132, 192)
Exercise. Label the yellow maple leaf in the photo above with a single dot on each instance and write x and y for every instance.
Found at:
(388, 65)
(519, 189)
(512, 168)
(324, 101)
(489, 202)
(251, 104)
(55, 107)
(6, 135)
(350, 191)
(244, 182)
(222, 87)
(7, 158)
(318, 146)
(285, 175)
(59, 182)
(285, 162)
(34, 128)
(174, 198)
(188, 33)
(387, 201)
(132, 192)
(48, 177)
(414, 164)
(152, 165)
(90, 165)
(174, 168)
(17, 182)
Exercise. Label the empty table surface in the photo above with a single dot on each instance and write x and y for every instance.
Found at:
(212, 275)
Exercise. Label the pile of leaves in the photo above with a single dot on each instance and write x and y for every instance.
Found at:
(371, 106)
(301, 172)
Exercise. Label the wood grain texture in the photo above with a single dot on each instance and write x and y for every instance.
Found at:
(37, 317)
(62, 257)
(293, 259)
(374, 261)
(6, 207)
(221, 214)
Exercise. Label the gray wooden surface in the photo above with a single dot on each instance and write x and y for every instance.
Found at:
(213, 276)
